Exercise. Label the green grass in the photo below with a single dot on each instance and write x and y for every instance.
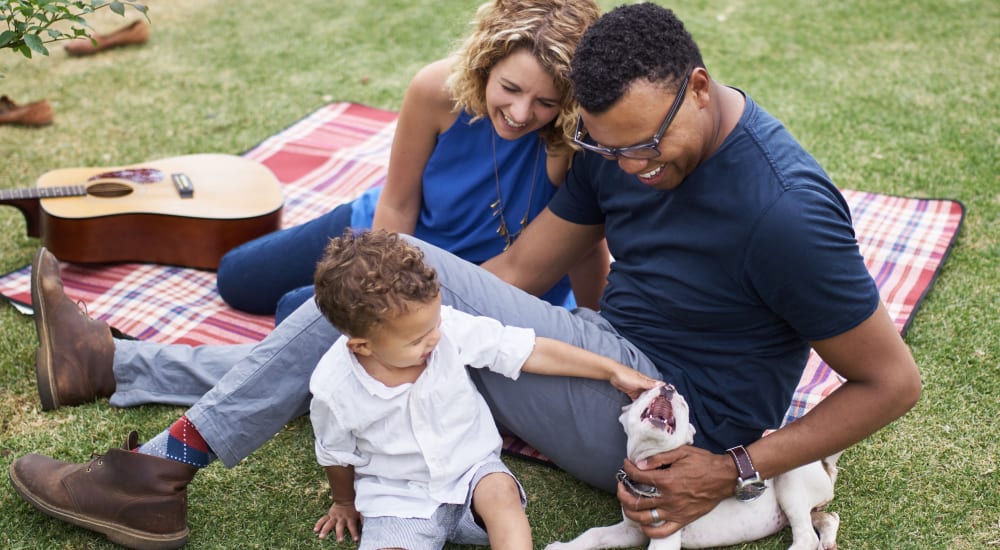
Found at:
(892, 97)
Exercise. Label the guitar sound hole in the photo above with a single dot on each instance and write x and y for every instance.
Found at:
(109, 190)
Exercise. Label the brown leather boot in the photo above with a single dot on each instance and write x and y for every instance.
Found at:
(36, 113)
(73, 364)
(136, 33)
(136, 500)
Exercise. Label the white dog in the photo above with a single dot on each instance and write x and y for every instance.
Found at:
(658, 421)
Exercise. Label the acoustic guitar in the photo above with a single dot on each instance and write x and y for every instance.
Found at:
(186, 210)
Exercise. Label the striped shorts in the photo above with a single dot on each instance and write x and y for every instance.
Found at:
(450, 523)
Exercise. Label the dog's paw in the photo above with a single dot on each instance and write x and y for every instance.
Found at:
(822, 536)
(827, 524)
(559, 546)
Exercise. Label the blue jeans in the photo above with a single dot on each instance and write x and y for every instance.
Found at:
(273, 274)
(243, 395)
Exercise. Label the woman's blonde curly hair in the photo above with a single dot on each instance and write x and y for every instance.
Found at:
(549, 29)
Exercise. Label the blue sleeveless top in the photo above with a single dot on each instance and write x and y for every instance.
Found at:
(460, 184)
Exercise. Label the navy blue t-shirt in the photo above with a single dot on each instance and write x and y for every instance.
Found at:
(723, 280)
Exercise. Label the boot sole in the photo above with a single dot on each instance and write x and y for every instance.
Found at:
(117, 533)
(48, 394)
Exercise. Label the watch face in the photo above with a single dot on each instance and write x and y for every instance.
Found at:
(750, 490)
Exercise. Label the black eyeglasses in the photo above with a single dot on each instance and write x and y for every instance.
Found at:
(636, 488)
(643, 151)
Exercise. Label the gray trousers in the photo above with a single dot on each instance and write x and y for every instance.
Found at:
(242, 395)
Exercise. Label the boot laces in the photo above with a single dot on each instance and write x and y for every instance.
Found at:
(95, 457)
(82, 306)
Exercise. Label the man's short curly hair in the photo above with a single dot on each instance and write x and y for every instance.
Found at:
(369, 277)
(629, 43)
(548, 29)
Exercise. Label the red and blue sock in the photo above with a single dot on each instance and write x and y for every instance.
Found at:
(181, 442)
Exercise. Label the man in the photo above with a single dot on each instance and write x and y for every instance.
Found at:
(734, 254)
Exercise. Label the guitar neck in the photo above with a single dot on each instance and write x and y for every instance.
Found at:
(43, 192)
(27, 201)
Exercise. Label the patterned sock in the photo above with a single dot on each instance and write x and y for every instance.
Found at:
(180, 442)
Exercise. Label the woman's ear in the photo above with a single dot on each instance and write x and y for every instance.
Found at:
(359, 346)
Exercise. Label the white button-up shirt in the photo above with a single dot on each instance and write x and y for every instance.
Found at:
(417, 445)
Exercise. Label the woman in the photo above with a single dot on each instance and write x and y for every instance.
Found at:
(481, 143)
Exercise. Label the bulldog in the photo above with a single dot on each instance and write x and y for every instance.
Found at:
(659, 421)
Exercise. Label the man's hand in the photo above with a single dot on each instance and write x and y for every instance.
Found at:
(341, 518)
(691, 482)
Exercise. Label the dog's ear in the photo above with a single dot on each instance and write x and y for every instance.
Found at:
(691, 433)
(623, 417)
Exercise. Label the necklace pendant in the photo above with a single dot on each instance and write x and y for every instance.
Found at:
(497, 206)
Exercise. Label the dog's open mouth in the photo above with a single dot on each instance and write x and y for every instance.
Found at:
(660, 411)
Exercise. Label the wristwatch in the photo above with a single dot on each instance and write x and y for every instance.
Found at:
(749, 485)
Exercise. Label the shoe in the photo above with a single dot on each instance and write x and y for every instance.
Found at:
(38, 113)
(136, 33)
(73, 364)
(136, 500)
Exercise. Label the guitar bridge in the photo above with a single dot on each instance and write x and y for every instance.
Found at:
(183, 184)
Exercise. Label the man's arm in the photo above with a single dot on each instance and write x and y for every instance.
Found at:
(589, 276)
(544, 252)
(882, 383)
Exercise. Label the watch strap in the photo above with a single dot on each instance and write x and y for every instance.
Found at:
(744, 466)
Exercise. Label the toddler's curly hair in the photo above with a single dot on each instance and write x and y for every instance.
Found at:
(368, 277)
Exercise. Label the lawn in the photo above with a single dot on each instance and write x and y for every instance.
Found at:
(892, 97)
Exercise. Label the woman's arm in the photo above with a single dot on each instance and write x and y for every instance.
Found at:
(427, 111)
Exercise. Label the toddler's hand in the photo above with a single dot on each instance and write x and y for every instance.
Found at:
(632, 382)
(341, 519)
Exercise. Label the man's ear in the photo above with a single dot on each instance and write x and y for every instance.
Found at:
(359, 346)
(700, 85)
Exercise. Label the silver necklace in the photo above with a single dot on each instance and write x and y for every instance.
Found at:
(497, 205)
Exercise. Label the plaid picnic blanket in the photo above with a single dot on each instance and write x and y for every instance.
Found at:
(342, 149)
